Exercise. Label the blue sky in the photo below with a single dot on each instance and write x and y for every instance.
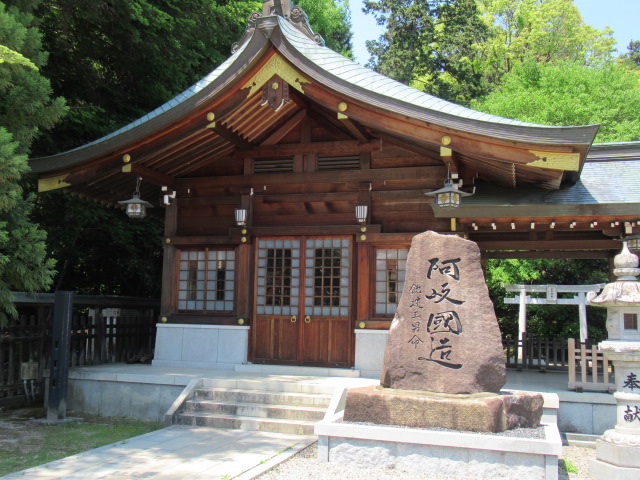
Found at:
(623, 16)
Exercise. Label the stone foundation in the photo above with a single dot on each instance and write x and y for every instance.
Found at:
(480, 412)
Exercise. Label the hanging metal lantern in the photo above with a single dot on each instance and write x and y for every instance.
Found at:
(135, 206)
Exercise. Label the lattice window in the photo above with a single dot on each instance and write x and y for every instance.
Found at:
(278, 277)
(206, 280)
(391, 267)
(327, 277)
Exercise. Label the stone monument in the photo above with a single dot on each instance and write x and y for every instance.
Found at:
(618, 450)
(444, 363)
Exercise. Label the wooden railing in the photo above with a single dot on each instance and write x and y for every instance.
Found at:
(589, 370)
(529, 352)
(125, 333)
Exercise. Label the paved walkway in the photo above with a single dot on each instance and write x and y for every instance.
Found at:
(176, 453)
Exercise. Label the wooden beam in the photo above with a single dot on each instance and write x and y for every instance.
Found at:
(584, 255)
(355, 129)
(320, 148)
(345, 176)
(574, 244)
(150, 175)
(231, 136)
(285, 129)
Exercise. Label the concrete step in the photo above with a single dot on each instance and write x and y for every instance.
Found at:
(281, 384)
(277, 425)
(298, 370)
(261, 410)
(264, 397)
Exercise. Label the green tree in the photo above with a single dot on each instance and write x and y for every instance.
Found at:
(26, 107)
(570, 94)
(430, 44)
(548, 321)
(332, 20)
(632, 57)
(548, 31)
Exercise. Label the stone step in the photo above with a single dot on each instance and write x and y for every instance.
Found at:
(264, 397)
(261, 410)
(298, 370)
(292, 385)
(276, 425)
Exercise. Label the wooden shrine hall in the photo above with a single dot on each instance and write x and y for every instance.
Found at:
(293, 180)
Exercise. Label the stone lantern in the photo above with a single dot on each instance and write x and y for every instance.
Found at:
(618, 449)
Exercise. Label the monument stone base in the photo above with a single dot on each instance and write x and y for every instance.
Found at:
(480, 412)
(435, 453)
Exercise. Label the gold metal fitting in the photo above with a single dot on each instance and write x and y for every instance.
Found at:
(362, 325)
(363, 237)
(363, 229)
(126, 158)
(275, 86)
(164, 319)
(241, 321)
(211, 116)
(446, 140)
(167, 240)
(243, 239)
(243, 231)
(342, 106)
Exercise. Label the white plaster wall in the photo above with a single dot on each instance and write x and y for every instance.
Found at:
(201, 346)
(370, 347)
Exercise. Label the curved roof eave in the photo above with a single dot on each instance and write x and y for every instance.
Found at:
(345, 76)
(329, 69)
(175, 109)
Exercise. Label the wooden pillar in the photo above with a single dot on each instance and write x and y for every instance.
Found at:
(167, 300)
(60, 351)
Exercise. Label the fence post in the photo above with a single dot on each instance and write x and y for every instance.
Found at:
(60, 345)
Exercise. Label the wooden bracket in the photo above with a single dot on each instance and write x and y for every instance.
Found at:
(150, 175)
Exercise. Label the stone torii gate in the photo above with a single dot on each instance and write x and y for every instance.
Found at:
(549, 296)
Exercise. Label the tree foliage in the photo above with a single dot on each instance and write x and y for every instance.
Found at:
(570, 94)
(547, 31)
(550, 321)
(632, 57)
(430, 44)
(26, 107)
(332, 20)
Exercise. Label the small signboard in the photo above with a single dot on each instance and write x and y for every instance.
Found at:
(552, 293)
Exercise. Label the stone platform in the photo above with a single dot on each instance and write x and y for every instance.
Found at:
(480, 412)
(435, 453)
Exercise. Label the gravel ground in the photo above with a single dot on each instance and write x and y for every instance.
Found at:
(304, 466)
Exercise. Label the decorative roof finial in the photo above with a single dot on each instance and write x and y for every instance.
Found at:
(277, 8)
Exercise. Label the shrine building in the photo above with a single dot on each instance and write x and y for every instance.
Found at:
(293, 179)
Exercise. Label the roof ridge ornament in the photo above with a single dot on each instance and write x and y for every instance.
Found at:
(285, 9)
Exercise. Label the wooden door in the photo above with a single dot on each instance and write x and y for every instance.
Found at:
(326, 338)
(275, 330)
(302, 302)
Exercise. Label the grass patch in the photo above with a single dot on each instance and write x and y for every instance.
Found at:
(25, 445)
(568, 466)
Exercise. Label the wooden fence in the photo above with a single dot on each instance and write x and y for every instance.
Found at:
(529, 352)
(589, 370)
(105, 329)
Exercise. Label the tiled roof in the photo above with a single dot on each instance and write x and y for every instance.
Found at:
(601, 182)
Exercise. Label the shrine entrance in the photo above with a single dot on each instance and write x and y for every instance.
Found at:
(302, 301)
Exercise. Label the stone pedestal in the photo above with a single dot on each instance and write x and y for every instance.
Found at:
(618, 450)
(480, 412)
